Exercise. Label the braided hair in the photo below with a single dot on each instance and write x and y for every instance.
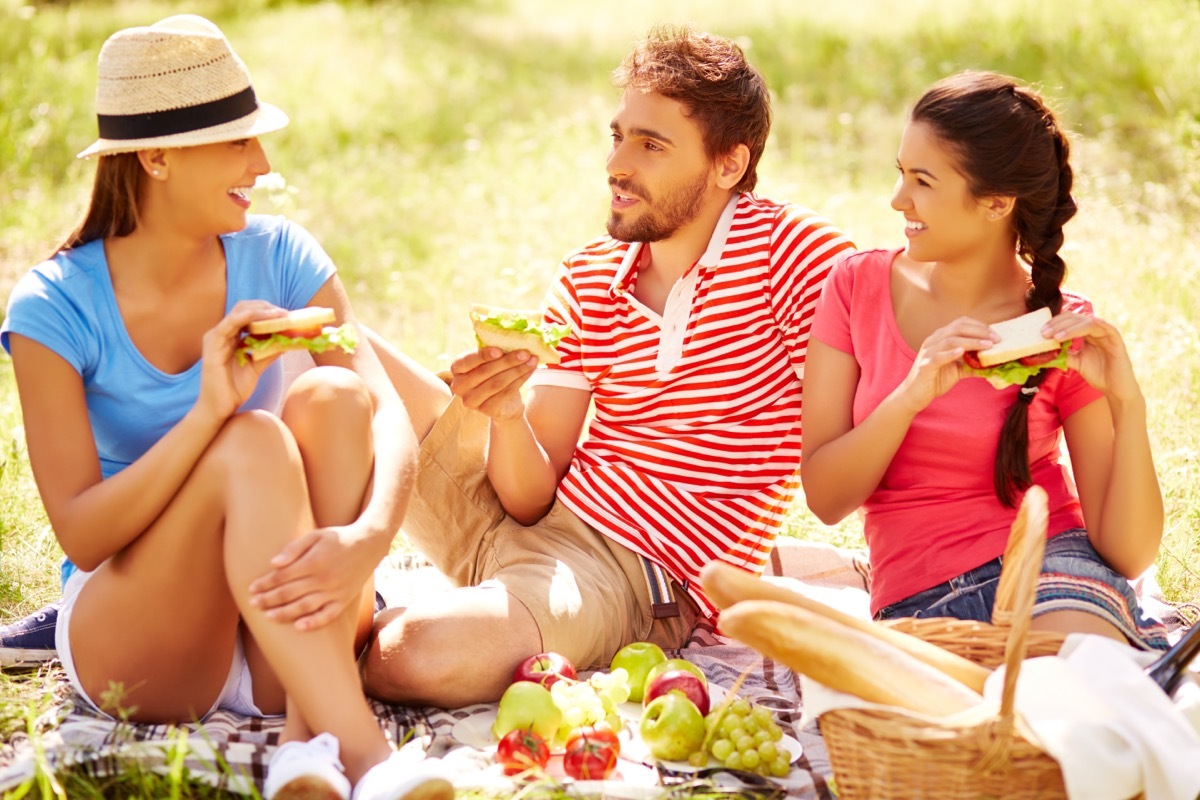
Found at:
(1008, 143)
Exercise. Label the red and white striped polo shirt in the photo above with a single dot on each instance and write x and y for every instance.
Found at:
(693, 451)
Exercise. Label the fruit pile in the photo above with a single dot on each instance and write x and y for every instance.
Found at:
(548, 707)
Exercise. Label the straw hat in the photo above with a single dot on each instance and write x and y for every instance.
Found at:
(176, 83)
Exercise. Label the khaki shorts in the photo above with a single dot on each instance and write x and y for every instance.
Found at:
(588, 594)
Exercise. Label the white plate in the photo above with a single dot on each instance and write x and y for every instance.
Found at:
(476, 731)
(637, 751)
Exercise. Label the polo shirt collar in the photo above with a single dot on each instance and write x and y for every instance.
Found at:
(711, 257)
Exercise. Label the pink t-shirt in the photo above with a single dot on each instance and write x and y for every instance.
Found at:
(935, 514)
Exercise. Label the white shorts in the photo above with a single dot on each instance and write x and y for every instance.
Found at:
(237, 694)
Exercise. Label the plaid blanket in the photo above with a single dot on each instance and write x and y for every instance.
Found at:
(232, 751)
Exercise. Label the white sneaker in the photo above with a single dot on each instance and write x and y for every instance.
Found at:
(307, 771)
(399, 778)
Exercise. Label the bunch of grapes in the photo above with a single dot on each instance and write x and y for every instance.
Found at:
(588, 702)
(744, 737)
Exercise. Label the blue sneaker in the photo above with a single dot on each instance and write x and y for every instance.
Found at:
(30, 641)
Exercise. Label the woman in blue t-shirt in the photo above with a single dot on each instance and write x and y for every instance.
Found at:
(222, 532)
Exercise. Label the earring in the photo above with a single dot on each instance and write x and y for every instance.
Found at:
(155, 172)
(991, 216)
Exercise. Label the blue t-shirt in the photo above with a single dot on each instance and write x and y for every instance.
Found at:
(67, 304)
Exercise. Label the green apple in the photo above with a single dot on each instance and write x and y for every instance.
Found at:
(670, 664)
(638, 658)
(672, 727)
(527, 706)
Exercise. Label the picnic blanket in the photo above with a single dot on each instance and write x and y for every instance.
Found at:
(232, 751)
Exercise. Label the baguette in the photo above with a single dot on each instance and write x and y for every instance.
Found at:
(727, 585)
(845, 659)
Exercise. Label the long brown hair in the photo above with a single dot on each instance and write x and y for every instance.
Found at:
(113, 210)
(1009, 143)
(710, 77)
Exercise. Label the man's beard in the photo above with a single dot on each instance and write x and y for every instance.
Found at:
(660, 220)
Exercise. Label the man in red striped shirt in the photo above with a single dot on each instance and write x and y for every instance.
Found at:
(688, 329)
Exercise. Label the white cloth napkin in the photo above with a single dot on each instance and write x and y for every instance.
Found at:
(1111, 729)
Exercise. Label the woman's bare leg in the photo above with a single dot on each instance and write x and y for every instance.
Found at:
(1077, 622)
(250, 493)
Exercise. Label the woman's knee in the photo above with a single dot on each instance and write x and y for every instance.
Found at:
(322, 394)
(250, 442)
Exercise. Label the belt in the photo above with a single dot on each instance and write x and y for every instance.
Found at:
(662, 594)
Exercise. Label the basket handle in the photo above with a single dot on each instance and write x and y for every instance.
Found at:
(1026, 546)
(1018, 550)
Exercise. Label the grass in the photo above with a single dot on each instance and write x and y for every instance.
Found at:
(449, 152)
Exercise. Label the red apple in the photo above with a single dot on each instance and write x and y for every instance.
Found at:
(545, 669)
(678, 680)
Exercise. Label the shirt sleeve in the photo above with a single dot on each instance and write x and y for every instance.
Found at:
(561, 306)
(804, 248)
(831, 323)
(1073, 391)
(305, 266)
(40, 310)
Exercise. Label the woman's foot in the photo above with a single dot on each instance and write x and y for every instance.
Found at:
(307, 771)
(400, 778)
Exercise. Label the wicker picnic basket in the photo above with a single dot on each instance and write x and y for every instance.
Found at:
(978, 641)
(887, 753)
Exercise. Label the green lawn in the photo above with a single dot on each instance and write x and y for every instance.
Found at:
(449, 152)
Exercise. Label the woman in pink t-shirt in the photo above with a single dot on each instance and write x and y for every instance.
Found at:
(938, 460)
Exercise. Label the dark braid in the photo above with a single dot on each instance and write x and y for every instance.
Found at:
(1009, 144)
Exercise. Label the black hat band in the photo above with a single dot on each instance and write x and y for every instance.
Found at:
(154, 124)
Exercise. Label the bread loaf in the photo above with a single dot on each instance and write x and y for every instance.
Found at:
(727, 585)
(845, 659)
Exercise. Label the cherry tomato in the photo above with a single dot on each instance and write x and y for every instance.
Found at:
(520, 750)
(591, 753)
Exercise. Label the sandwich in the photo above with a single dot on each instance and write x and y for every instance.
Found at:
(1021, 352)
(510, 330)
(308, 329)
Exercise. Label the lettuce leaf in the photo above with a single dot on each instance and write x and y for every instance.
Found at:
(344, 336)
(1014, 372)
(550, 334)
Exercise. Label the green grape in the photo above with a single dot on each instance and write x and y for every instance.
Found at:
(762, 736)
(734, 760)
(741, 707)
(731, 723)
(776, 733)
(750, 725)
(574, 716)
(737, 734)
(780, 766)
(767, 751)
(750, 759)
(721, 748)
(763, 715)
(745, 744)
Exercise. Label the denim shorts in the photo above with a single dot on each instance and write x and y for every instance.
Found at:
(1074, 577)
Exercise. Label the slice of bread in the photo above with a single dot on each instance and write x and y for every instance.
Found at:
(302, 319)
(1019, 337)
